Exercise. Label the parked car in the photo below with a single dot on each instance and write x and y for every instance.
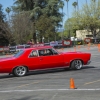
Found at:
(40, 58)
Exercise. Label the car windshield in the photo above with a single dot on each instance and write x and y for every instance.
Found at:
(19, 53)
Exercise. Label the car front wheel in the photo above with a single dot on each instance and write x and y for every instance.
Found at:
(76, 64)
(20, 71)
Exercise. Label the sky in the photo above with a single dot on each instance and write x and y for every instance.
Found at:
(9, 3)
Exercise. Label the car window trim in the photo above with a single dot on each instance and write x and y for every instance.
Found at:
(46, 49)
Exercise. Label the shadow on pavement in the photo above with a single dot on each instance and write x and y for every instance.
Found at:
(88, 67)
(56, 70)
(45, 72)
(6, 76)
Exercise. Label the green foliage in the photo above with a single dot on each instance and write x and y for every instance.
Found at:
(74, 4)
(71, 26)
(86, 18)
(22, 28)
(2, 16)
(44, 26)
(5, 33)
(8, 10)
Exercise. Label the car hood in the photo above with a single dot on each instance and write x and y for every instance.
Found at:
(7, 58)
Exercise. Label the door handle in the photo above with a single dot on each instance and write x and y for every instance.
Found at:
(41, 58)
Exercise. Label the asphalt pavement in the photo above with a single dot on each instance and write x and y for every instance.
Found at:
(55, 84)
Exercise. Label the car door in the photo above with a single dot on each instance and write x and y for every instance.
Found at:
(33, 60)
(50, 60)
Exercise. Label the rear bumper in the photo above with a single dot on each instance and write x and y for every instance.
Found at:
(88, 62)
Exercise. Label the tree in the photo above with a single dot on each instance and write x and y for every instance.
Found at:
(38, 8)
(73, 26)
(77, 6)
(5, 33)
(74, 4)
(27, 6)
(22, 28)
(94, 0)
(2, 16)
(89, 18)
(68, 18)
(8, 10)
(67, 8)
(44, 26)
(86, 1)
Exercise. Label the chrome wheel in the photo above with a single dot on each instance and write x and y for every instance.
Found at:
(20, 71)
(76, 64)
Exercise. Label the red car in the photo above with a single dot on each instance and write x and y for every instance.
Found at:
(41, 58)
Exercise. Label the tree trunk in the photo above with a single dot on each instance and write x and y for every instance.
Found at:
(34, 33)
(94, 35)
(34, 37)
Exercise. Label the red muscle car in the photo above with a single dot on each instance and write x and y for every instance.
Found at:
(40, 58)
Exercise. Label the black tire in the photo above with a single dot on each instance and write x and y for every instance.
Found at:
(76, 64)
(20, 71)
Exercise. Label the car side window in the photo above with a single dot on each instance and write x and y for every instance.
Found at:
(54, 52)
(33, 54)
(49, 52)
(42, 52)
(45, 52)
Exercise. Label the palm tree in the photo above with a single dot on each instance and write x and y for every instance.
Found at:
(68, 18)
(62, 35)
(74, 4)
(86, 1)
(67, 8)
(8, 10)
(93, 0)
(77, 6)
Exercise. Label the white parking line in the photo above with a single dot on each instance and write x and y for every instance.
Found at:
(43, 90)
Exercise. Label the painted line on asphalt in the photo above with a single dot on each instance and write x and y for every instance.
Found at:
(23, 85)
(3, 80)
(26, 84)
(43, 90)
(91, 82)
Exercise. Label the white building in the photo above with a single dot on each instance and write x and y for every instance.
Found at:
(82, 34)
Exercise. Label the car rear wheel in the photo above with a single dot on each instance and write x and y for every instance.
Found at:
(20, 71)
(76, 64)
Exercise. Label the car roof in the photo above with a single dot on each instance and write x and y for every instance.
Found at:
(37, 48)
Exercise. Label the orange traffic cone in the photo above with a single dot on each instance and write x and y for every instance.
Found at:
(75, 49)
(99, 47)
(6, 54)
(69, 50)
(78, 46)
(62, 48)
(88, 46)
(72, 85)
